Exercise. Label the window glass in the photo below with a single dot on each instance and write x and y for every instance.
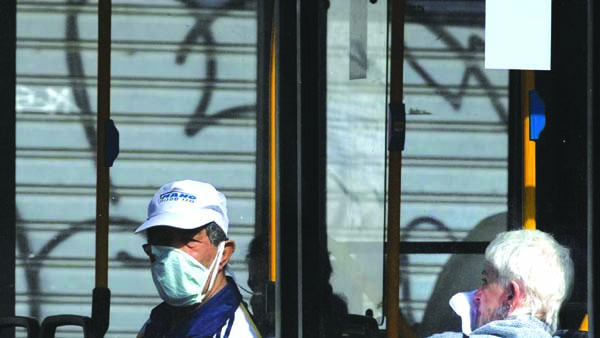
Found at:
(183, 97)
(55, 158)
(454, 166)
(356, 114)
(455, 163)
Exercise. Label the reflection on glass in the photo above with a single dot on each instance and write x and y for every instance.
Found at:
(356, 151)
(454, 175)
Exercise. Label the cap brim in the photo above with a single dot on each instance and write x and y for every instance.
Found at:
(183, 220)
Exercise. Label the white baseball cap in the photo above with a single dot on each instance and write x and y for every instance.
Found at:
(186, 204)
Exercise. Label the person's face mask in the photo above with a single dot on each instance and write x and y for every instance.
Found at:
(179, 278)
(463, 303)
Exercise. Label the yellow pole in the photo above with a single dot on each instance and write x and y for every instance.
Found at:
(529, 164)
(273, 159)
(392, 282)
(584, 324)
(396, 325)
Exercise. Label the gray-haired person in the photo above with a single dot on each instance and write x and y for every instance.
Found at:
(527, 276)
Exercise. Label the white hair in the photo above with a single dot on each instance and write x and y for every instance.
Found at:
(541, 266)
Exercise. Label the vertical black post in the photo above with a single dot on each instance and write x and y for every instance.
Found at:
(561, 151)
(515, 151)
(8, 15)
(288, 305)
(315, 270)
(303, 269)
(264, 15)
(594, 170)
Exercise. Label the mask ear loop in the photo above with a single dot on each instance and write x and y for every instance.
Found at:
(212, 269)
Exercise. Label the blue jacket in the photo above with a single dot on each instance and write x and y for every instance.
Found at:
(223, 315)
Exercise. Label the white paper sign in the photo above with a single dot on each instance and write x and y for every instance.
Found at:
(518, 34)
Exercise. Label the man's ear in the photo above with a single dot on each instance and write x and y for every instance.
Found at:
(516, 295)
(228, 251)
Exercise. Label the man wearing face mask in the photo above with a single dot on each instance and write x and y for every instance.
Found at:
(527, 276)
(189, 250)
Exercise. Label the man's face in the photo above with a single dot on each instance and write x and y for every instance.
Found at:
(198, 247)
(491, 298)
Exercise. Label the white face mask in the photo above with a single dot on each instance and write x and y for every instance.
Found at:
(463, 303)
(179, 278)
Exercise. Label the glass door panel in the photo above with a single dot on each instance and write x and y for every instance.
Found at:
(455, 164)
(356, 151)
